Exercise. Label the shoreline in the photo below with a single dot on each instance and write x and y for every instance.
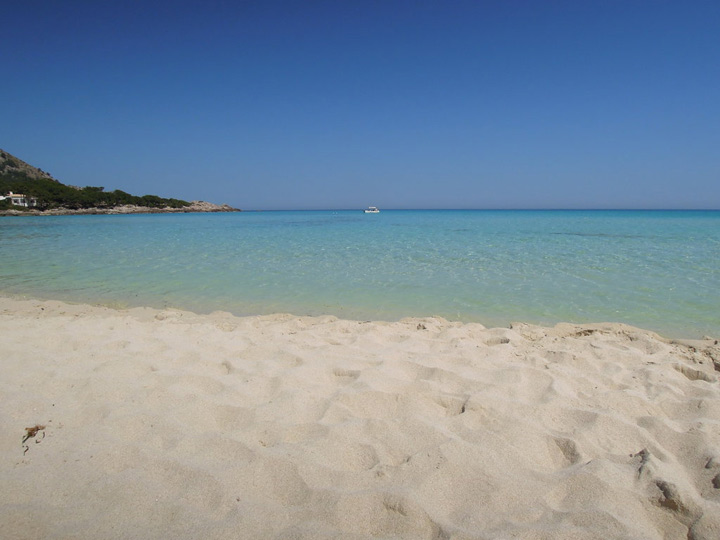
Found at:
(286, 426)
(195, 206)
(671, 335)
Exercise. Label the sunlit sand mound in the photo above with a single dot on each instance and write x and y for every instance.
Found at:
(166, 424)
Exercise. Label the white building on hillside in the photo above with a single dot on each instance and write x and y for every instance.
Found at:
(19, 199)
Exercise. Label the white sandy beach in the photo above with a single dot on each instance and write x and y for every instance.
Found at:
(167, 424)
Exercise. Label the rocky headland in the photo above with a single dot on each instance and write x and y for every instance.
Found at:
(42, 194)
(195, 206)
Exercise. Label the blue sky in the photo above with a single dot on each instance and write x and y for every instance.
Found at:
(344, 104)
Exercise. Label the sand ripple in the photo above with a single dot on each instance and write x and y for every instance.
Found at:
(166, 424)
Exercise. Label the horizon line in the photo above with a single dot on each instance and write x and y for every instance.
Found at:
(487, 209)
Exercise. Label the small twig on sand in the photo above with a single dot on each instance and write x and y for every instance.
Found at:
(32, 431)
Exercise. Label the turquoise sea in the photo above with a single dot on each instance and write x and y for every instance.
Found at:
(654, 269)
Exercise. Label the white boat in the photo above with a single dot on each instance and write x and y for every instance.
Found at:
(372, 210)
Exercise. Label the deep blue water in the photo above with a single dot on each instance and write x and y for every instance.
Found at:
(654, 269)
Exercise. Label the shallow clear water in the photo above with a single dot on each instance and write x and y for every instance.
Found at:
(654, 269)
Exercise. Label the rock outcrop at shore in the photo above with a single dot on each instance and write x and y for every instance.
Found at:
(195, 206)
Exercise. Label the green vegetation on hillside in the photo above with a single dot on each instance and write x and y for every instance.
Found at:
(53, 194)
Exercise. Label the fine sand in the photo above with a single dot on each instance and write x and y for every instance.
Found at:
(166, 424)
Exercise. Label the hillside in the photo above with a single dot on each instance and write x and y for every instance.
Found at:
(12, 167)
(48, 195)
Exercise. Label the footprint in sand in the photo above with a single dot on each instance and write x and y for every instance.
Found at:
(346, 376)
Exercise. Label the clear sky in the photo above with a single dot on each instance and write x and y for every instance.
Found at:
(345, 104)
